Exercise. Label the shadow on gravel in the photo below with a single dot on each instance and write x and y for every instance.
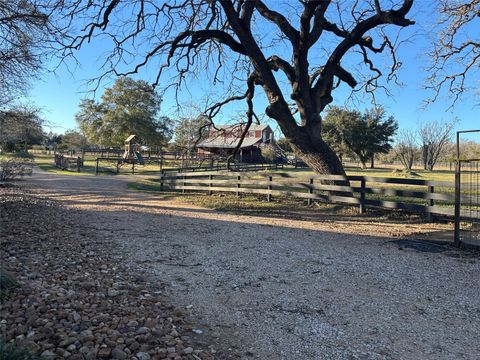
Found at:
(424, 246)
(443, 246)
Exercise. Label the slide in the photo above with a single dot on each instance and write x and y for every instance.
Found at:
(139, 158)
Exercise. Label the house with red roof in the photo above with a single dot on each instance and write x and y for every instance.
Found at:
(223, 139)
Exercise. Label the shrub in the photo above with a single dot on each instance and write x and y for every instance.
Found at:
(14, 168)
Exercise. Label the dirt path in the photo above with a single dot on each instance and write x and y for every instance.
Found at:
(266, 288)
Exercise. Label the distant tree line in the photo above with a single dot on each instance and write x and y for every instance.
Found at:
(20, 127)
(372, 134)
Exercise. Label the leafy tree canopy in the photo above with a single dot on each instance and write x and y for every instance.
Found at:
(284, 144)
(72, 140)
(362, 134)
(128, 107)
(20, 126)
(336, 121)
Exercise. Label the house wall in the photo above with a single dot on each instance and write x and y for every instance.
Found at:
(250, 155)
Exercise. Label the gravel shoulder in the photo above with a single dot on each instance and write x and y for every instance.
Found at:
(73, 298)
(279, 288)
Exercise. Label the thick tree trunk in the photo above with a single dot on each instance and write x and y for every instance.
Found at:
(318, 156)
(372, 162)
(306, 141)
(409, 164)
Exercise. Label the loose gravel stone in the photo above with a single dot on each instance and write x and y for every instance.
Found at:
(143, 356)
(187, 350)
(68, 304)
(118, 353)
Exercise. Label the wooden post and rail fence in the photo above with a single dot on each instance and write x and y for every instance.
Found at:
(68, 162)
(431, 198)
(119, 162)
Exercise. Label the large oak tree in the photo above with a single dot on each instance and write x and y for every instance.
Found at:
(128, 107)
(298, 53)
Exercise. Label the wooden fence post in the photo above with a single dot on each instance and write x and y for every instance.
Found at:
(269, 195)
(238, 186)
(431, 190)
(162, 174)
(133, 167)
(96, 167)
(362, 196)
(183, 184)
(310, 191)
(210, 177)
(79, 162)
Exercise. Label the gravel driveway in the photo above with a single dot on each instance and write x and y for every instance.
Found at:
(266, 288)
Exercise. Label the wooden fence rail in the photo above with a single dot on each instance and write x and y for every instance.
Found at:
(223, 167)
(115, 163)
(432, 198)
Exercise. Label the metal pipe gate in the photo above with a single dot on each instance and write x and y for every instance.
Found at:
(467, 198)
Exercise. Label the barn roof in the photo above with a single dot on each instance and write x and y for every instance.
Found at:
(130, 138)
(224, 142)
(221, 141)
(241, 126)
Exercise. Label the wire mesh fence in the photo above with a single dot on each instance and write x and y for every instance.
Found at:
(467, 197)
(469, 222)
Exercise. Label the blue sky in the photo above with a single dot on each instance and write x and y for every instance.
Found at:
(60, 93)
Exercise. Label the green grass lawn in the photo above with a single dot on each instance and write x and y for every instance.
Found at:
(245, 204)
(437, 175)
(45, 162)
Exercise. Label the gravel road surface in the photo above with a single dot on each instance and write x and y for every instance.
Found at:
(267, 288)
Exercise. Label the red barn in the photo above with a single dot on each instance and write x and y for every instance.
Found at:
(223, 140)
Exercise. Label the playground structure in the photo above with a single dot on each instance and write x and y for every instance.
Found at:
(131, 155)
(133, 149)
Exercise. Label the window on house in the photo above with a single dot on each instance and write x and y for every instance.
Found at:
(251, 133)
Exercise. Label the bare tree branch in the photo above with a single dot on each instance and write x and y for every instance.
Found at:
(456, 53)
